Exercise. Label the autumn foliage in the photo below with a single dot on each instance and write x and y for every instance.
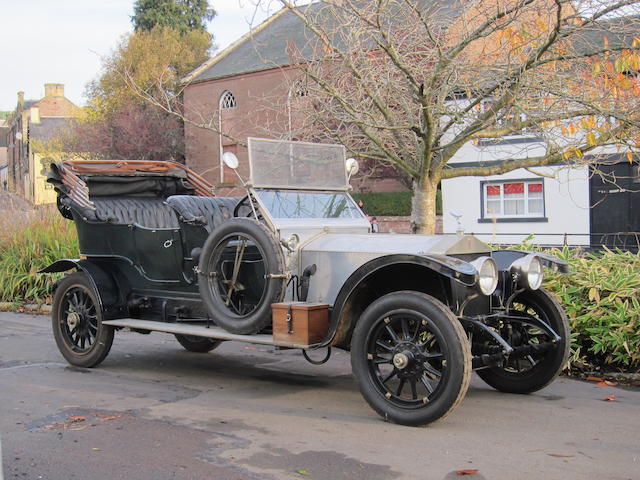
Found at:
(118, 123)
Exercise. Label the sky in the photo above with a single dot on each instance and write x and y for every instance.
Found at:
(62, 41)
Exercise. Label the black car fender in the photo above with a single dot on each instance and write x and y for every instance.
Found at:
(104, 283)
(344, 314)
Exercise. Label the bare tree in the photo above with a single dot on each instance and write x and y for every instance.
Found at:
(410, 82)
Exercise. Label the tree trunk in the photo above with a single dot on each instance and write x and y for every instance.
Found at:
(423, 207)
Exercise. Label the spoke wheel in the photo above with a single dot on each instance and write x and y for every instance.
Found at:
(411, 358)
(195, 344)
(535, 371)
(241, 269)
(77, 322)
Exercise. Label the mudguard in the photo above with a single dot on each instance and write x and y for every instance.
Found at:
(103, 282)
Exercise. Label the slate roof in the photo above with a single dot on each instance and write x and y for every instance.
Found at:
(619, 32)
(48, 128)
(269, 44)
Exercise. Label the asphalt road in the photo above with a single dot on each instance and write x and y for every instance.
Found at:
(155, 411)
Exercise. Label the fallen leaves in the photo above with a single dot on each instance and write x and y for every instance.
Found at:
(557, 455)
(610, 398)
(76, 422)
(76, 418)
(469, 471)
(606, 383)
(302, 472)
(71, 420)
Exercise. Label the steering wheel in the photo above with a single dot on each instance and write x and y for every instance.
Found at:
(243, 208)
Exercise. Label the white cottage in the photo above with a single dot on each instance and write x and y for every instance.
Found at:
(557, 204)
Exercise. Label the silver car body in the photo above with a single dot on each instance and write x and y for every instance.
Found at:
(337, 246)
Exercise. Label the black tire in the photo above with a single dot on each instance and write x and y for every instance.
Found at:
(197, 344)
(76, 319)
(241, 274)
(526, 376)
(428, 336)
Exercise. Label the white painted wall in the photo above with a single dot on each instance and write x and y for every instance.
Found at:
(566, 200)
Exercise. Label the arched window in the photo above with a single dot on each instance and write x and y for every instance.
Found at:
(227, 100)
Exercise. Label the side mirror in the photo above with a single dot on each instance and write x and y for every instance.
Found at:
(352, 167)
(230, 160)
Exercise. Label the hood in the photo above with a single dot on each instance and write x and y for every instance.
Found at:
(389, 244)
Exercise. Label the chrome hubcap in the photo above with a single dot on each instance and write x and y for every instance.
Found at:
(400, 361)
(73, 319)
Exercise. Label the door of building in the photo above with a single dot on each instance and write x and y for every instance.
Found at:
(615, 200)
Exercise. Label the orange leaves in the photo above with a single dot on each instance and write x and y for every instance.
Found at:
(630, 157)
(542, 25)
(469, 471)
(572, 152)
(610, 398)
(588, 122)
(606, 383)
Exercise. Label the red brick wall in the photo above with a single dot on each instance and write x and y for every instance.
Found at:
(56, 107)
(261, 111)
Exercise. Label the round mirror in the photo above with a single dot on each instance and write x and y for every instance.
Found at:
(352, 166)
(230, 160)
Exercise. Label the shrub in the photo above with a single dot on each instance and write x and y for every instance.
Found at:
(28, 243)
(381, 204)
(601, 296)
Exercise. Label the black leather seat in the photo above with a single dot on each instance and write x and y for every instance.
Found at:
(206, 211)
(146, 212)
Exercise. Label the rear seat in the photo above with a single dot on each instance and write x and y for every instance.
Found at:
(147, 212)
(207, 211)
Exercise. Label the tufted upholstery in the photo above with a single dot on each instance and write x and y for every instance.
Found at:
(207, 211)
(146, 212)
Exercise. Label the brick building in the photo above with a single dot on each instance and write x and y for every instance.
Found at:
(247, 90)
(31, 125)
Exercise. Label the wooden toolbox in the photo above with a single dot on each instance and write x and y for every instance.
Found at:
(300, 322)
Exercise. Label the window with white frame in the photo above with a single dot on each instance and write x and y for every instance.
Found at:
(517, 198)
(227, 100)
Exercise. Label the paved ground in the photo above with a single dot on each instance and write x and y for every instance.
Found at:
(154, 411)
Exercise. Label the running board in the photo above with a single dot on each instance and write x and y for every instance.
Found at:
(199, 331)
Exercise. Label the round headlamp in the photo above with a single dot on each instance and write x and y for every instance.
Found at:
(487, 276)
(528, 271)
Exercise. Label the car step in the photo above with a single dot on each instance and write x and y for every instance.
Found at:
(199, 331)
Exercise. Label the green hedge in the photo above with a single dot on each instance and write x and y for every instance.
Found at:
(382, 204)
(27, 246)
(601, 296)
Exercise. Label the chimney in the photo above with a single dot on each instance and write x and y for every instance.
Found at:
(54, 90)
(35, 115)
(20, 99)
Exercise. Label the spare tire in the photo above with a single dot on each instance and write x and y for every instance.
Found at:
(240, 275)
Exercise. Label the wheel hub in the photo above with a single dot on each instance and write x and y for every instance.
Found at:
(73, 320)
(401, 360)
(407, 359)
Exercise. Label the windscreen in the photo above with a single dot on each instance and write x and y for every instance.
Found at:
(297, 204)
(282, 164)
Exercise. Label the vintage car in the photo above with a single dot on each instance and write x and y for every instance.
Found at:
(294, 264)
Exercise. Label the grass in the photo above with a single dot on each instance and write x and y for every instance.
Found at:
(30, 241)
